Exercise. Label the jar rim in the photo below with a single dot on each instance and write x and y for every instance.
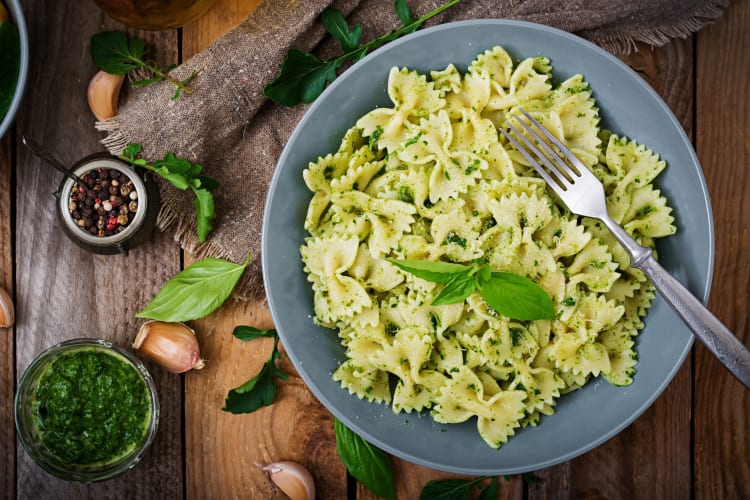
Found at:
(111, 163)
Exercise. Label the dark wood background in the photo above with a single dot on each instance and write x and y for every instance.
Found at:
(692, 443)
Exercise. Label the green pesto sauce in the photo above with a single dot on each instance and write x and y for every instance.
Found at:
(91, 407)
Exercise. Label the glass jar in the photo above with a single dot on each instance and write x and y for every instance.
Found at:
(154, 14)
(141, 220)
(35, 409)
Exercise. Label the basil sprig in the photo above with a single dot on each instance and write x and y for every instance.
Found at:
(303, 76)
(196, 291)
(260, 390)
(369, 465)
(182, 174)
(511, 295)
(113, 52)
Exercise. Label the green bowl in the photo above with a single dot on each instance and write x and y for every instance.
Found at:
(18, 21)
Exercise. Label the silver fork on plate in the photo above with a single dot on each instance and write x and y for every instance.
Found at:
(583, 194)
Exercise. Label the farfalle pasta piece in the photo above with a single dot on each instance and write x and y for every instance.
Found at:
(339, 296)
(498, 415)
(371, 385)
(413, 97)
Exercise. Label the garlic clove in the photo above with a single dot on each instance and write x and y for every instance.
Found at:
(7, 314)
(292, 479)
(104, 94)
(173, 346)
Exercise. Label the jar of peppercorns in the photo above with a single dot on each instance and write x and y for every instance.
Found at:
(106, 206)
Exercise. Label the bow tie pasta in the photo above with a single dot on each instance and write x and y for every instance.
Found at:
(431, 179)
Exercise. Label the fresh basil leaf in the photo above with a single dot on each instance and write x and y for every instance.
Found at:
(447, 489)
(336, 25)
(517, 297)
(173, 164)
(490, 491)
(131, 151)
(208, 182)
(137, 48)
(195, 292)
(435, 271)
(257, 392)
(177, 180)
(301, 79)
(244, 332)
(111, 52)
(368, 464)
(205, 213)
(402, 11)
(460, 287)
(484, 273)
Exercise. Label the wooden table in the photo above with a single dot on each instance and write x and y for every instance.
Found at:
(694, 442)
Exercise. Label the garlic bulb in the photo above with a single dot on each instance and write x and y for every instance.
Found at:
(292, 479)
(7, 315)
(173, 346)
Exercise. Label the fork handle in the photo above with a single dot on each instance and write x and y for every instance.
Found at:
(715, 336)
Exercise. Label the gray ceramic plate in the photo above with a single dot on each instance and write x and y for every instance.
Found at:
(585, 418)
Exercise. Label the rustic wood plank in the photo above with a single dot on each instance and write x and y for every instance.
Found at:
(651, 458)
(225, 452)
(7, 368)
(722, 404)
(63, 291)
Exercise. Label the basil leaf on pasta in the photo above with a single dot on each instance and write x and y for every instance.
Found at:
(457, 289)
(435, 271)
(517, 297)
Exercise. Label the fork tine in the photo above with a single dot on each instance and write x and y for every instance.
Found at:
(554, 140)
(556, 184)
(569, 173)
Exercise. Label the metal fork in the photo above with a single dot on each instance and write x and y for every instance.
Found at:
(583, 194)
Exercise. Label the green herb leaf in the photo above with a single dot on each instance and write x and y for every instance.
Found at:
(113, 52)
(182, 174)
(491, 490)
(435, 271)
(303, 76)
(260, 390)
(336, 25)
(205, 213)
(449, 489)
(257, 392)
(461, 286)
(368, 464)
(517, 297)
(403, 12)
(195, 292)
(244, 332)
(301, 79)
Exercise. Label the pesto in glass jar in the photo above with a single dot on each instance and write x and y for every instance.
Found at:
(91, 407)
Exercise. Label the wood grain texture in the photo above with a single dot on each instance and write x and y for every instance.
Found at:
(225, 452)
(651, 458)
(63, 291)
(722, 404)
(7, 335)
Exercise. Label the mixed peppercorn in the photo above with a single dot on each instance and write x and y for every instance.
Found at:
(105, 204)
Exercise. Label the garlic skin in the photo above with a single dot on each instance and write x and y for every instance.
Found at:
(173, 346)
(104, 94)
(7, 311)
(292, 479)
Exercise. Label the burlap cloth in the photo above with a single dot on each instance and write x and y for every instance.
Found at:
(228, 126)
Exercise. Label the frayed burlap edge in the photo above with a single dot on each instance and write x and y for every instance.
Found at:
(658, 37)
